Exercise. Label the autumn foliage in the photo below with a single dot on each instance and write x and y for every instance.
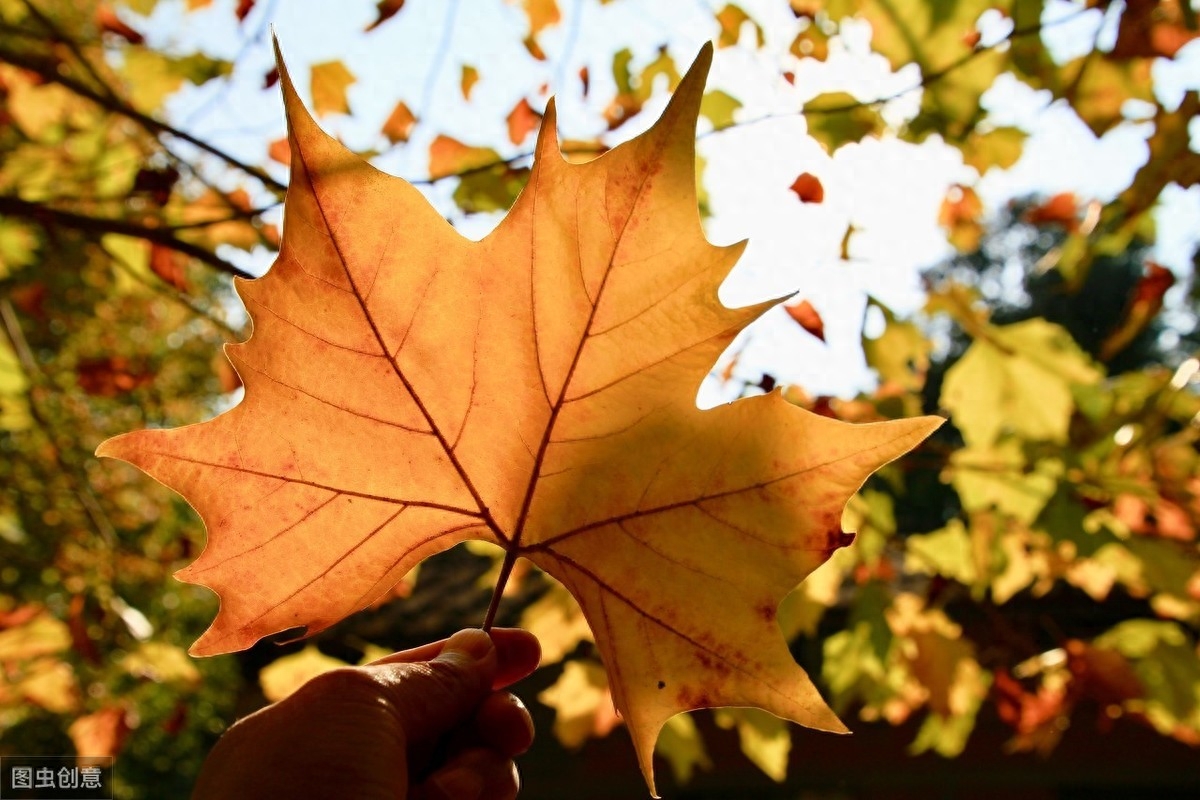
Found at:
(525, 402)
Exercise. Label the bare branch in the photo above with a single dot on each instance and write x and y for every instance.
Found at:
(47, 71)
(50, 217)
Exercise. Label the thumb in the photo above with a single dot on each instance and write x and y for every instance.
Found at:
(431, 698)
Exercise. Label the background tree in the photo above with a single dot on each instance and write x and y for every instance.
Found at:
(1037, 561)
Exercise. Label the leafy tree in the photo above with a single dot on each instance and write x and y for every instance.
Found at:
(1067, 479)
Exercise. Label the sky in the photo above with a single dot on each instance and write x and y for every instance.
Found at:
(888, 189)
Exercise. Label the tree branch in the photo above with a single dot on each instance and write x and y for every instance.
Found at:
(50, 217)
(154, 126)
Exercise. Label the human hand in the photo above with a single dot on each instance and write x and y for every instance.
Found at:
(431, 723)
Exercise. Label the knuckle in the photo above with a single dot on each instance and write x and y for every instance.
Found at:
(344, 683)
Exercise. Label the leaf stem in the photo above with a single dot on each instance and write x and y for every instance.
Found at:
(510, 558)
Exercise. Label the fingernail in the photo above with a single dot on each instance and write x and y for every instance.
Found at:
(472, 643)
(460, 784)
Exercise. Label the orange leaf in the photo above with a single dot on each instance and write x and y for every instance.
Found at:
(280, 150)
(399, 124)
(541, 13)
(449, 156)
(1143, 307)
(1062, 209)
(522, 121)
(470, 76)
(807, 317)
(408, 389)
(808, 188)
(330, 80)
(170, 265)
(1151, 28)
(385, 10)
(960, 215)
(535, 49)
(110, 376)
(100, 734)
(108, 22)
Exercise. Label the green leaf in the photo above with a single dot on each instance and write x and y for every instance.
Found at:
(932, 35)
(837, 118)
(662, 64)
(998, 476)
(763, 737)
(947, 735)
(1064, 519)
(682, 746)
(18, 246)
(14, 387)
(718, 107)
(1017, 380)
(1030, 60)
(900, 354)
(731, 18)
(1098, 88)
(493, 189)
(947, 552)
(153, 76)
(42, 111)
(1168, 666)
(950, 105)
(580, 690)
(285, 675)
(1000, 147)
(621, 72)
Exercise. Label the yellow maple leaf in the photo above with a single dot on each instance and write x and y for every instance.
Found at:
(408, 389)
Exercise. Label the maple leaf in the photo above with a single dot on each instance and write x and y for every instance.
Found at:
(408, 389)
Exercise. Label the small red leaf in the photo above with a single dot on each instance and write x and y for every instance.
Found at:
(244, 8)
(271, 78)
(108, 22)
(534, 48)
(157, 183)
(31, 299)
(110, 377)
(808, 188)
(170, 265)
(280, 150)
(522, 121)
(399, 124)
(385, 10)
(807, 317)
(1061, 209)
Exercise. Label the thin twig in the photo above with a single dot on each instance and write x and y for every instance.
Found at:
(73, 46)
(154, 126)
(49, 217)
